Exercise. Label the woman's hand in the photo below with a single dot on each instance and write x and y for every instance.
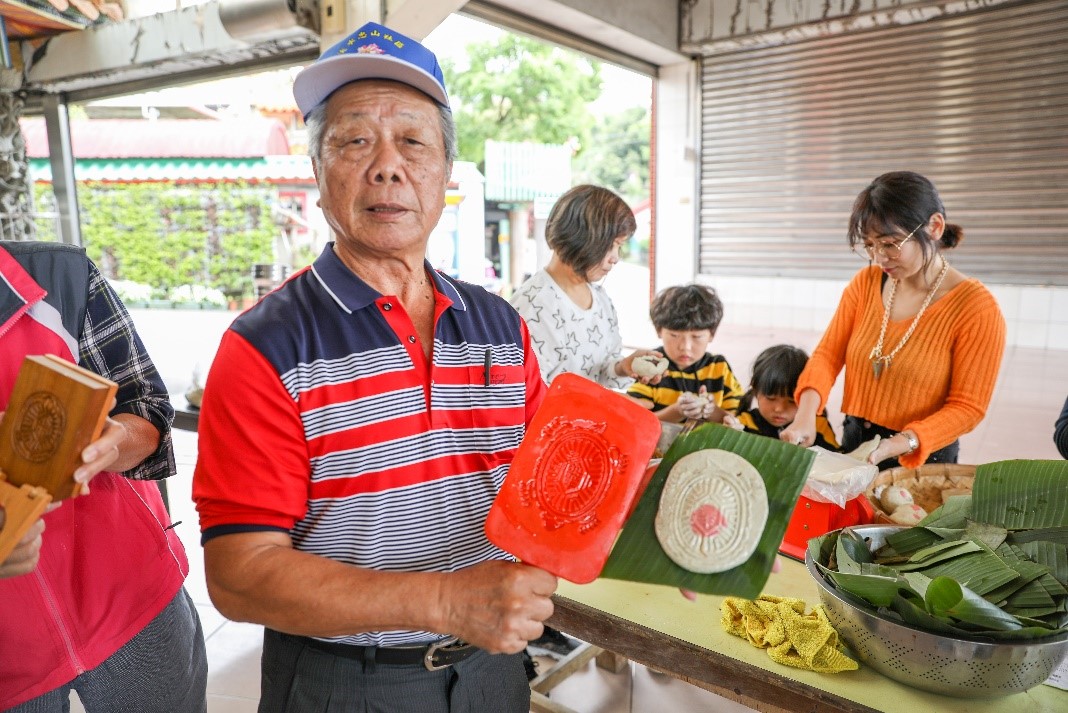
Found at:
(893, 447)
(802, 432)
(625, 367)
(798, 434)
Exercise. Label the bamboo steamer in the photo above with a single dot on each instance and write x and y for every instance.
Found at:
(929, 485)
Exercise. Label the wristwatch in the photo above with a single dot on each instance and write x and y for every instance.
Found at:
(913, 442)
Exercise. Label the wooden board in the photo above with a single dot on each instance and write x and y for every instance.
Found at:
(56, 409)
(21, 508)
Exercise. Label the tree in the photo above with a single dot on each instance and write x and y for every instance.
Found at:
(617, 155)
(519, 89)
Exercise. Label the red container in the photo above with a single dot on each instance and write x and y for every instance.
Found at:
(812, 519)
(574, 479)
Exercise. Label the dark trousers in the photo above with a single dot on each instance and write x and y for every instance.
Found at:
(298, 678)
(164, 669)
(856, 431)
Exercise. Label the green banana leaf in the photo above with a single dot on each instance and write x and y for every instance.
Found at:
(1020, 494)
(877, 591)
(1032, 594)
(911, 539)
(916, 615)
(1058, 535)
(935, 554)
(945, 597)
(637, 555)
(851, 551)
(990, 535)
(980, 569)
(990, 565)
(1050, 554)
(954, 513)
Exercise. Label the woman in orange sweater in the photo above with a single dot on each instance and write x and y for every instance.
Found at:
(920, 342)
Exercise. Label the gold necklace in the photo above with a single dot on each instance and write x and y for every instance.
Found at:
(879, 362)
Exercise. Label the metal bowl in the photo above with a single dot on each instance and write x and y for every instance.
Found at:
(962, 668)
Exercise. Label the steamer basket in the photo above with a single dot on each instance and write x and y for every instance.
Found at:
(961, 668)
(929, 484)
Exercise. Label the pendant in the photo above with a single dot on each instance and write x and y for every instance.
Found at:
(877, 367)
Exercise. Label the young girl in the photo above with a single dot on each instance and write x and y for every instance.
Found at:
(772, 385)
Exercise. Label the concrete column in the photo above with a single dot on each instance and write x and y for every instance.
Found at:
(60, 155)
(677, 159)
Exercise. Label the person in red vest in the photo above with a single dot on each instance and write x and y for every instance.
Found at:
(92, 599)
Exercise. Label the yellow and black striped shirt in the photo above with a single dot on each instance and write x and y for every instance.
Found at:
(755, 423)
(710, 371)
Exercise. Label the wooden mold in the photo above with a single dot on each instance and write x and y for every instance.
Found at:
(56, 409)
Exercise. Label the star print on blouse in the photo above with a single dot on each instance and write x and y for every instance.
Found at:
(535, 312)
(559, 317)
(564, 336)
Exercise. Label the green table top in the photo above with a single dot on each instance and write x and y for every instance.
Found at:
(656, 626)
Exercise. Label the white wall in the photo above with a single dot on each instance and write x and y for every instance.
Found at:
(1035, 317)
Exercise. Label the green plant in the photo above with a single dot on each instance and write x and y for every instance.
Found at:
(167, 235)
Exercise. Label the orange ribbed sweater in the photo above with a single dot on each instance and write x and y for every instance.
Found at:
(940, 383)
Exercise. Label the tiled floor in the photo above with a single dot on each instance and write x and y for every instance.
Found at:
(1029, 395)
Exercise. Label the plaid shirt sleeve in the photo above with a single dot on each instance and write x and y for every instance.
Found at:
(109, 346)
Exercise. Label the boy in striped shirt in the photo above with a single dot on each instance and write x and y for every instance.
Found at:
(697, 385)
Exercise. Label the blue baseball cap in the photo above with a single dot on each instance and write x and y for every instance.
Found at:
(371, 52)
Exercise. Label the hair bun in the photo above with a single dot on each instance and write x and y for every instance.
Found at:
(952, 236)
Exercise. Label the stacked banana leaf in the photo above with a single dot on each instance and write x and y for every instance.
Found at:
(993, 564)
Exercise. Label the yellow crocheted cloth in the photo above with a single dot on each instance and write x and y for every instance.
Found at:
(791, 637)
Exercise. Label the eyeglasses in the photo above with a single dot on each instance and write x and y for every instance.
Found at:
(889, 250)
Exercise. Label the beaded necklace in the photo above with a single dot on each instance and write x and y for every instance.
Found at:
(881, 362)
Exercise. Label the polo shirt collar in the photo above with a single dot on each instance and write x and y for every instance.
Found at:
(352, 293)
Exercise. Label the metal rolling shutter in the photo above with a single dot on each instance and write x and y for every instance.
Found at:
(976, 102)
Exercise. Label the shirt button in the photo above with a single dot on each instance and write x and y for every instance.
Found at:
(411, 338)
(387, 306)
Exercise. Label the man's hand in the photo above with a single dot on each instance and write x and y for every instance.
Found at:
(23, 559)
(101, 454)
(498, 606)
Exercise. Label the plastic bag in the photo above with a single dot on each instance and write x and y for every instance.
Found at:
(837, 478)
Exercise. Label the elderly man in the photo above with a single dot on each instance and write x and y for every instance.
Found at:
(352, 437)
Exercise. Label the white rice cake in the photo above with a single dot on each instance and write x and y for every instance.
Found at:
(712, 511)
(649, 365)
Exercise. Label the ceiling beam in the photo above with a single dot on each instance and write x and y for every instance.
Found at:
(166, 49)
